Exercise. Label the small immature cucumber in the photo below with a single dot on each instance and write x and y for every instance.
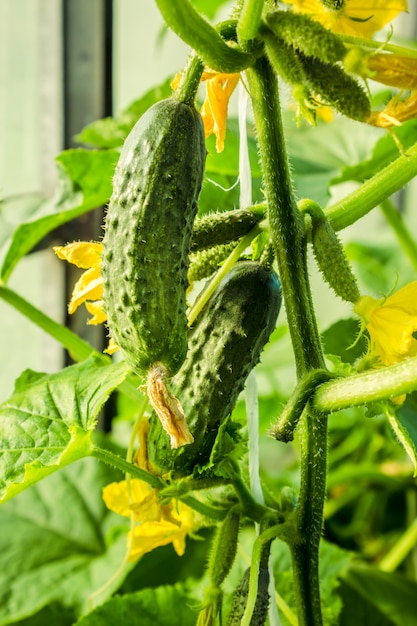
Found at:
(240, 598)
(148, 232)
(306, 35)
(336, 88)
(224, 345)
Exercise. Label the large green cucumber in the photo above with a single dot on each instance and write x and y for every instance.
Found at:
(147, 235)
(224, 345)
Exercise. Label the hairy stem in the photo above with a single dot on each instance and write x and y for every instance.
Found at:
(374, 191)
(193, 29)
(370, 386)
(249, 20)
(190, 81)
(289, 238)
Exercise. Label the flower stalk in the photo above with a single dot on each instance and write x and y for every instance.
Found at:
(370, 386)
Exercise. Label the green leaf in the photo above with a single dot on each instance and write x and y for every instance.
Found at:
(54, 614)
(317, 154)
(384, 152)
(221, 184)
(392, 595)
(17, 209)
(376, 266)
(333, 561)
(85, 183)
(58, 545)
(404, 424)
(340, 340)
(111, 132)
(162, 606)
(49, 420)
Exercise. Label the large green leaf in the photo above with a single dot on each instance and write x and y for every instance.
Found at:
(17, 209)
(391, 595)
(58, 545)
(376, 266)
(162, 606)
(317, 154)
(333, 561)
(385, 151)
(85, 183)
(110, 132)
(49, 420)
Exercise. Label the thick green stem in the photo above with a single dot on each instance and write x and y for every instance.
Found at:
(283, 429)
(286, 223)
(370, 386)
(289, 238)
(374, 191)
(191, 27)
(249, 21)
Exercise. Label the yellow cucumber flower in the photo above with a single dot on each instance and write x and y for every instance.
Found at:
(389, 69)
(88, 289)
(393, 70)
(219, 88)
(397, 110)
(391, 323)
(157, 524)
(360, 18)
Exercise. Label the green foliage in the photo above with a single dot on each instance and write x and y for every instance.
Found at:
(150, 607)
(84, 184)
(58, 545)
(48, 421)
(333, 562)
(378, 598)
(384, 151)
(406, 427)
(340, 340)
(110, 132)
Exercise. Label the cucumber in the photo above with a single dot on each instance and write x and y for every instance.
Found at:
(224, 345)
(148, 233)
(240, 598)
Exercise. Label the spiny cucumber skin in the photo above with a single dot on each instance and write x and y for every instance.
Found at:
(148, 234)
(306, 35)
(240, 599)
(224, 346)
(336, 88)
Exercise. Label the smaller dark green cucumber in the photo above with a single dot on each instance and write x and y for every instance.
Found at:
(148, 234)
(224, 345)
(240, 598)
